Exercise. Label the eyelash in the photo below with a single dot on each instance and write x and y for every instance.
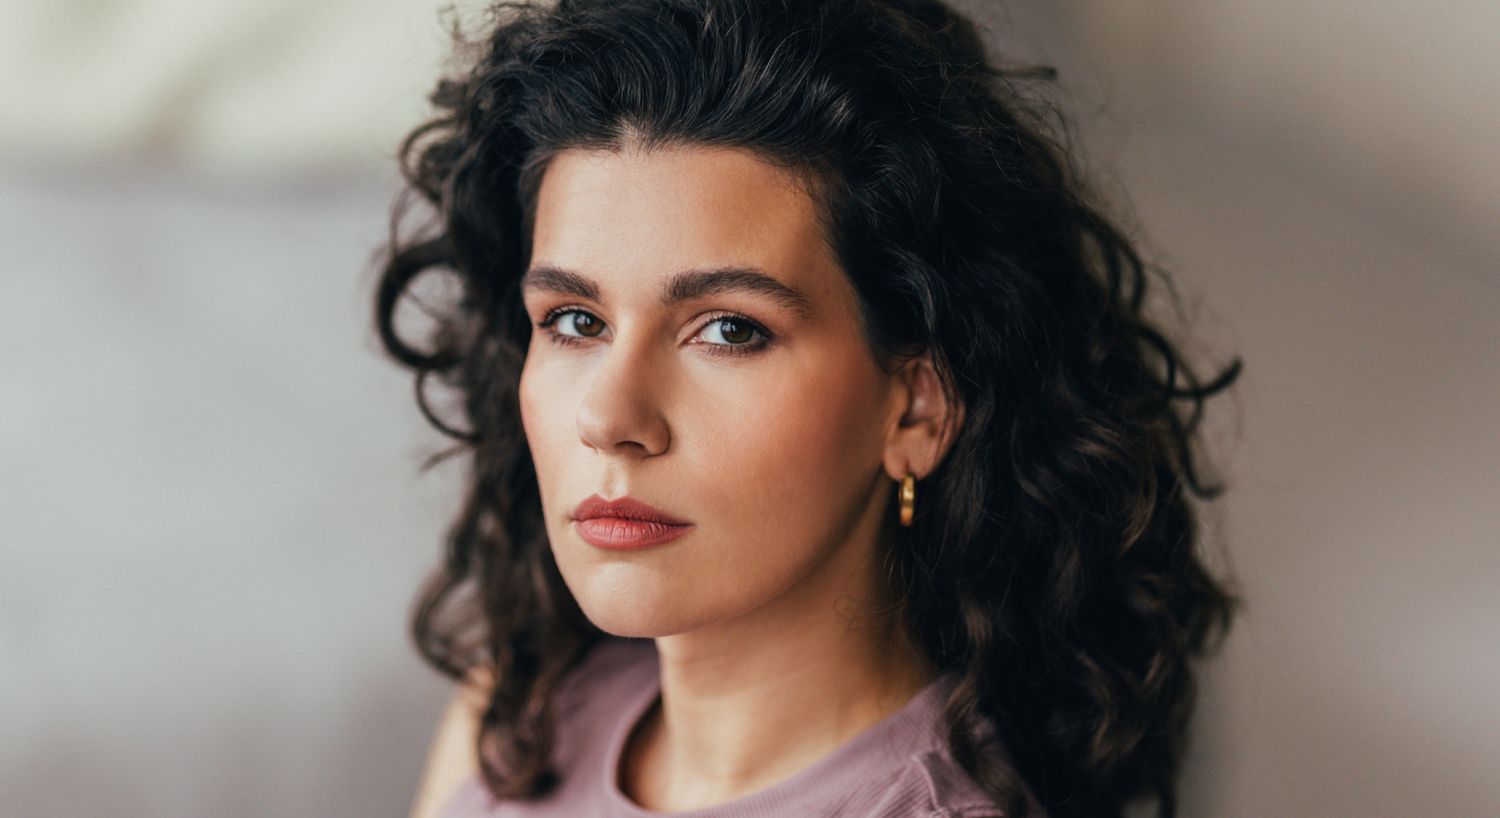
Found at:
(750, 348)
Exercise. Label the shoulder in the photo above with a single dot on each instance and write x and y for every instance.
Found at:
(451, 755)
(605, 661)
(926, 786)
(452, 761)
(928, 783)
(589, 697)
(948, 791)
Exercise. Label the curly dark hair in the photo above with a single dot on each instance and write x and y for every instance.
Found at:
(1053, 564)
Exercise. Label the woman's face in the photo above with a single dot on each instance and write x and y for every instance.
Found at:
(755, 413)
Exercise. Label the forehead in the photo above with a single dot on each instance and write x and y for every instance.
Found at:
(644, 214)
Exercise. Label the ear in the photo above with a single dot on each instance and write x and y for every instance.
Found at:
(917, 439)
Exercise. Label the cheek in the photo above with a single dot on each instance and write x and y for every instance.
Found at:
(791, 461)
(542, 410)
(525, 396)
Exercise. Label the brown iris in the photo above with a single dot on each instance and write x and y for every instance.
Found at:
(743, 336)
(582, 321)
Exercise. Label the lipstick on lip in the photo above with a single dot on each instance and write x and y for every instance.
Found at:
(625, 523)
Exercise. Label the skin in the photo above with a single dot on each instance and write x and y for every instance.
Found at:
(779, 636)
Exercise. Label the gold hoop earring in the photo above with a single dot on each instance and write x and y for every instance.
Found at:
(908, 498)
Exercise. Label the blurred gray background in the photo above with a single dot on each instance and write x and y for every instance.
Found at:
(212, 521)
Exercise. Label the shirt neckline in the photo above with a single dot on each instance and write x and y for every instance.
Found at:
(904, 733)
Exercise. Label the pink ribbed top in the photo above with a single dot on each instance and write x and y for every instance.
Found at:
(897, 768)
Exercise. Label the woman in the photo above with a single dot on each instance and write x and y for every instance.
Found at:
(823, 462)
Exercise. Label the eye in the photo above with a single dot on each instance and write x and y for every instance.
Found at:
(738, 334)
(584, 324)
(567, 326)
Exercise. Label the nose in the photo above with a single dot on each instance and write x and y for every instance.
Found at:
(620, 412)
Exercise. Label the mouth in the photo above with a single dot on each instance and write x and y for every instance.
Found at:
(613, 532)
(626, 523)
(624, 508)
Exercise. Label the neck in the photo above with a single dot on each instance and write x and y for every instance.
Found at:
(750, 703)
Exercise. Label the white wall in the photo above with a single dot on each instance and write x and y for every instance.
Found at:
(210, 514)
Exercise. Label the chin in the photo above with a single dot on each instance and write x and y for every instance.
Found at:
(637, 621)
(629, 604)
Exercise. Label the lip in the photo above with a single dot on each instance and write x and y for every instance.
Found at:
(625, 523)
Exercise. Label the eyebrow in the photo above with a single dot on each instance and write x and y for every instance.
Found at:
(683, 286)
